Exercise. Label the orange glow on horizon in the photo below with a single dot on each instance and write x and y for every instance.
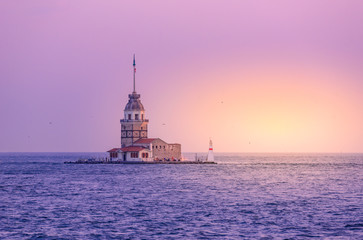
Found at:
(275, 110)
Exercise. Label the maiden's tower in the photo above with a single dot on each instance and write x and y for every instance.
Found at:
(135, 144)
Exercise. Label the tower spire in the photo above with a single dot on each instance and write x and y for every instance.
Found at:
(134, 65)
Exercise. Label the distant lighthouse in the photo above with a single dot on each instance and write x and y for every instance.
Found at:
(210, 157)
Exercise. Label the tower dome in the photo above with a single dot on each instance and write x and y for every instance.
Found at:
(134, 103)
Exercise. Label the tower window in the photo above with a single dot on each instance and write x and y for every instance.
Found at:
(142, 116)
(129, 117)
(136, 116)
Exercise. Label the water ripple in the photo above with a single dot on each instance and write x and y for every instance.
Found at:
(261, 196)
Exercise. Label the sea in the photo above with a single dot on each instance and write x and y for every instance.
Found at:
(244, 196)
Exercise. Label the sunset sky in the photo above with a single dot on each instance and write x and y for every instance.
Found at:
(254, 75)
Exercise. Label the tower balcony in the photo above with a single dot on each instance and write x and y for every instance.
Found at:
(133, 120)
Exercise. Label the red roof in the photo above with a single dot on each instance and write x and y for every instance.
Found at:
(132, 149)
(145, 140)
(114, 150)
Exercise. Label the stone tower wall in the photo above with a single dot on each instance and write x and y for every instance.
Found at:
(163, 150)
(131, 131)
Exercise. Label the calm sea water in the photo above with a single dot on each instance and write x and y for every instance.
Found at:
(245, 196)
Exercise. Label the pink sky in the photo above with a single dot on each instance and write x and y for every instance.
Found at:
(256, 76)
